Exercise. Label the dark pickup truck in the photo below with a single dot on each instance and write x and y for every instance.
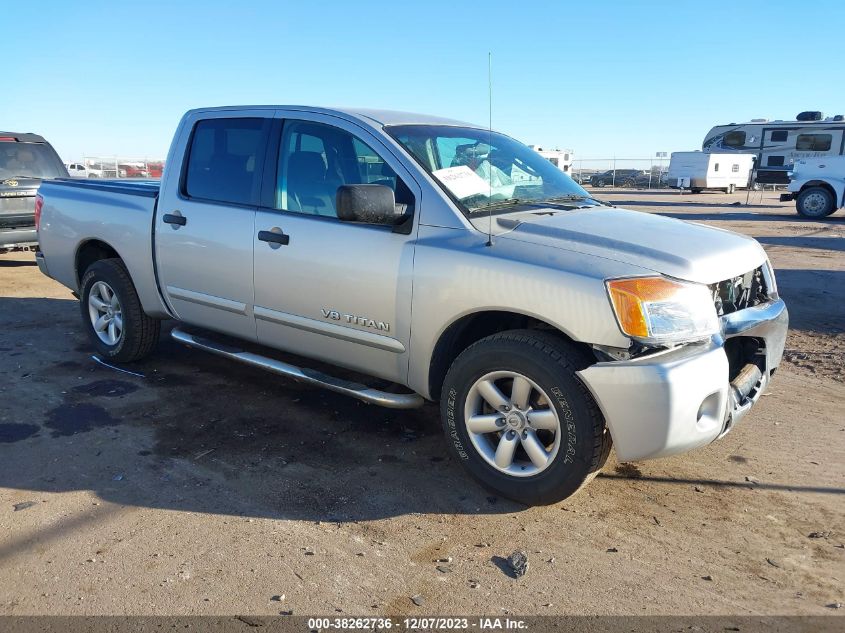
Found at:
(25, 160)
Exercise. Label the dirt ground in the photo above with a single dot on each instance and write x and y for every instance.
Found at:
(204, 487)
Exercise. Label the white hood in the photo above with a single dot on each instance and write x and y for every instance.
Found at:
(684, 250)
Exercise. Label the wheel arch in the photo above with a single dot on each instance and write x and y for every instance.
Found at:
(824, 185)
(466, 329)
(90, 251)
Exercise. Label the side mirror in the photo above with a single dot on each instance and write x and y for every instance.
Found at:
(370, 204)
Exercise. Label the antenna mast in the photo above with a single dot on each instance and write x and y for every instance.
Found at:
(490, 144)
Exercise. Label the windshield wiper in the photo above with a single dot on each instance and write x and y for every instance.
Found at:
(497, 204)
(575, 197)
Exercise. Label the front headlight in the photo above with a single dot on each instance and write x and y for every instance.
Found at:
(657, 310)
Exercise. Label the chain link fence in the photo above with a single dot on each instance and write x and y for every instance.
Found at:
(632, 173)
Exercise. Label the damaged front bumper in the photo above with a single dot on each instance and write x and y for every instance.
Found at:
(674, 401)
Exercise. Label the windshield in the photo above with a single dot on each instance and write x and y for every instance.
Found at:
(29, 160)
(483, 170)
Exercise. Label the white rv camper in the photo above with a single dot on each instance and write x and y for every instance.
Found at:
(560, 158)
(700, 170)
(779, 144)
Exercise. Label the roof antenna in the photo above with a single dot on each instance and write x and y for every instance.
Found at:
(490, 148)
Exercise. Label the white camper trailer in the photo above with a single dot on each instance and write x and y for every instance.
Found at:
(701, 170)
(560, 158)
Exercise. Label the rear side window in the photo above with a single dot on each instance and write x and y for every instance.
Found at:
(813, 142)
(734, 139)
(224, 160)
(779, 136)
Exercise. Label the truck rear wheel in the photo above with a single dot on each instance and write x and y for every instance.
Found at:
(520, 420)
(815, 202)
(112, 313)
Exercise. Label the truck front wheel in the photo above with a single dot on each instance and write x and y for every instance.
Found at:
(112, 313)
(520, 420)
(815, 202)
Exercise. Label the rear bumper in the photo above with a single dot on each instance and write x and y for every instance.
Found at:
(683, 399)
(18, 238)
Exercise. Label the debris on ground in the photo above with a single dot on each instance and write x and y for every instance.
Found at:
(518, 562)
(824, 534)
(698, 488)
(708, 578)
(773, 563)
(279, 598)
(125, 371)
(834, 605)
(417, 600)
(447, 559)
(118, 477)
(612, 550)
(443, 569)
(752, 480)
(202, 454)
(23, 505)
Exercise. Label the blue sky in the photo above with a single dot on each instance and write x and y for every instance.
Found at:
(604, 78)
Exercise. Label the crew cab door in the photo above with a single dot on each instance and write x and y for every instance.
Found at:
(205, 219)
(327, 289)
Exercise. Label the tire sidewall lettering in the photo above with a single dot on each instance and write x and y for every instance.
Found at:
(568, 419)
(451, 400)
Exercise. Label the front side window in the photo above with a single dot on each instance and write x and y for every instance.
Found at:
(813, 142)
(734, 139)
(779, 136)
(224, 160)
(316, 159)
(481, 170)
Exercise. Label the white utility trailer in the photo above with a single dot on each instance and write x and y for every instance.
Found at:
(702, 170)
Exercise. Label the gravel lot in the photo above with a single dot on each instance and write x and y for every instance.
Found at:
(206, 487)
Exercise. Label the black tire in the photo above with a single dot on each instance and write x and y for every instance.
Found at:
(599, 184)
(139, 334)
(551, 363)
(815, 202)
(696, 190)
(628, 183)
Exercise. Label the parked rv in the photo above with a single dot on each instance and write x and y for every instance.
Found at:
(778, 144)
(560, 158)
(698, 171)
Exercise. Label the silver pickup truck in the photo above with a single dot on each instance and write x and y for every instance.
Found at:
(447, 259)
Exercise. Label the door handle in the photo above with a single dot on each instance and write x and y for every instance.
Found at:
(274, 238)
(171, 218)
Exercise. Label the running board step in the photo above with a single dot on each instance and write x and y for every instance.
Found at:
(308, 376)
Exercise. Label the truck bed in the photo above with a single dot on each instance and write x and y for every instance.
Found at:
(116, 215)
